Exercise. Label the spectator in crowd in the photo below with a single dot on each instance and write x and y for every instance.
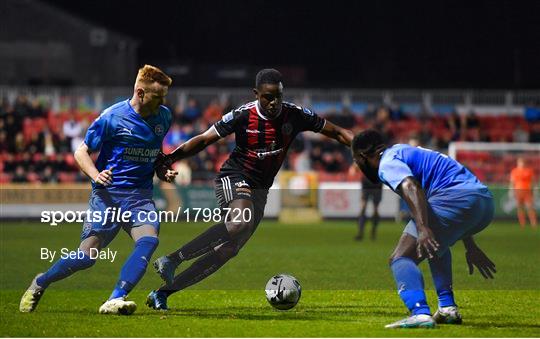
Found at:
(73, 130)
(20, 144)
(20, 175)
(316, 158)
(476, 134)
(48, 142)
(471, 120)
(61, 143)
(534, 135)
(22, 106)
(5, 107)
(454, 124)
(176, 136)
(382, 123)
(213, 112)
(425, 136)
(532, 112)
(443, 140)
(36, 109)
(5, 144)
(48, 175)
(520, 135)
(12, 126)
(192, 111)
(36, 144)
(396, 113)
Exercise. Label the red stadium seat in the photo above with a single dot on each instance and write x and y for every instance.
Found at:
(5, 177)
(67, 177)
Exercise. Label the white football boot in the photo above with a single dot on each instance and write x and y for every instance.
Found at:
(118, 306)
(414, 321)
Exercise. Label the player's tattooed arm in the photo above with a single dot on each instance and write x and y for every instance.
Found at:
(195, 145)
(477, 258)
(85, 163)
(411, 191)
(337, 133)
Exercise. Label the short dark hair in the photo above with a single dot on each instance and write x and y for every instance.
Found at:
(268, 76)
(368, 142)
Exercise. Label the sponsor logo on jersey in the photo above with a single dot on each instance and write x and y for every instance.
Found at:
(140, 154)
(242, 183)
(263, 153)
(252, 131)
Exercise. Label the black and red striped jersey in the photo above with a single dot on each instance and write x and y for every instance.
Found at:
(262, 143)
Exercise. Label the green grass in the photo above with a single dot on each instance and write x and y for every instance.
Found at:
(348, 290)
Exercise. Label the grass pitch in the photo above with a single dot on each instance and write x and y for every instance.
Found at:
(348, 290)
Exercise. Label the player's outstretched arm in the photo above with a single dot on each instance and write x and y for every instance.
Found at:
(85, 163)
(337, 133)
(413, 194)
(195, 145)
(162, 166)
(476, 257)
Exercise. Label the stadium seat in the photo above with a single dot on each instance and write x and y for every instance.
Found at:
(66, 177)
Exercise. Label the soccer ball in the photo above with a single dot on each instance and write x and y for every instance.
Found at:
(283, 291)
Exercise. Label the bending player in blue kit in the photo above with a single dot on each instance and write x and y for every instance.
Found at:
(447, 203)
(128, 136)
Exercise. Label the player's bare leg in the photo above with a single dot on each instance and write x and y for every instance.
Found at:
(521, 216)
(532, 215)
(60, 270)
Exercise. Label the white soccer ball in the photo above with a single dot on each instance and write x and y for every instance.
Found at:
(283, 291)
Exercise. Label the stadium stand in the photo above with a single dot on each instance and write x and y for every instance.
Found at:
(37, 140)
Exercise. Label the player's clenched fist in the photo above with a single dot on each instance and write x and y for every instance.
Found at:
(104, 177)
(163, 168)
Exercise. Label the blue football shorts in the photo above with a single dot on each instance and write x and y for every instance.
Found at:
(140, 206)
(456, 214)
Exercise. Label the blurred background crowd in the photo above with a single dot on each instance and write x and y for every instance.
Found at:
(37, 143)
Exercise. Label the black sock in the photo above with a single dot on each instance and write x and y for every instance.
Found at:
(375, 221)
(199, 270)
(361, 225)
(205, 242)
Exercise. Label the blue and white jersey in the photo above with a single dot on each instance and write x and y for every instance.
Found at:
(436, 172)
(128, 144)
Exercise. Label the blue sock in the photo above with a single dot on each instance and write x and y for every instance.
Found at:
(135, 266)
(441, 271)
(63, 268)
(410, 285)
